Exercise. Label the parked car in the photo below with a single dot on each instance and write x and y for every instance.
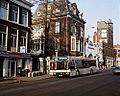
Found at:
(116, 70)
(113, 67)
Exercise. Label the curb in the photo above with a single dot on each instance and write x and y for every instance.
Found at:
(25, 79)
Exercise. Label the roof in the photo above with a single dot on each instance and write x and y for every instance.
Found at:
(26, 2)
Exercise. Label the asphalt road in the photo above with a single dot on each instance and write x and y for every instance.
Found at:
(102, 84)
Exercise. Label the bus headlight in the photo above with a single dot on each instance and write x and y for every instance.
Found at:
(54, 73)
(67, 73)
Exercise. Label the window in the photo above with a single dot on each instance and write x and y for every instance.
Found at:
(24, 17)
(42, 44)
(81, 31)
(14, 16)
(3, 10)
(73, 44)
(103, 33)
(57, 27)
(3, 36)
(14, 38)
(23, 38)
(103, 40)
(77, 45)
(118, 55)
(118, 51)
(81, 46)
(73, 29)
(36, 46)
(57, 44)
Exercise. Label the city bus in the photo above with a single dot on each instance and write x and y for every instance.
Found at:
(72, 66)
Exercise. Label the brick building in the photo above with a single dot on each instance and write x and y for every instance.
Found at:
(104, 37)
(65, 35)
(15, 22)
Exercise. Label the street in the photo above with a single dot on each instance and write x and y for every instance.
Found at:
(100, 84)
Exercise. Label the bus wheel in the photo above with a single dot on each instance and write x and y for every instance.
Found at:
(91, 71)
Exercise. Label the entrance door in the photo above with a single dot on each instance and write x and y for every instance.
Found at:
(12, 68)
(1, 67)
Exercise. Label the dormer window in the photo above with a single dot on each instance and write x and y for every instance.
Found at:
(74, 11)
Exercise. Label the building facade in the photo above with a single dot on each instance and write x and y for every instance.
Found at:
(104, 37)
(117, 55)
(15, 22)
(94, 51)
(65, 32)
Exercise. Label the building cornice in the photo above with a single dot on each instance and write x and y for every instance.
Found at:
(23, 3)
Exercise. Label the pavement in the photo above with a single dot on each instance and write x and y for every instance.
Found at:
(11, 80)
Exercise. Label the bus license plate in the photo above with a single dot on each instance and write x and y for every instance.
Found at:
(60, 75)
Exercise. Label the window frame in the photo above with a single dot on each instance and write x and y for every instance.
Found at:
(26, 38)
(73, 37)
(12, 45)
(57, 44)
(15, 13)
(6, 36)
(57, 27)
(7, 15)
(23, 22)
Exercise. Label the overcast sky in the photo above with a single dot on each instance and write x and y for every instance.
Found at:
(96, 10)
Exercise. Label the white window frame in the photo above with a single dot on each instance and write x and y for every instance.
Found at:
(7, 11)
(17, 35)
(57, 27)
(73, 37)
(1, 45)
(26, 40)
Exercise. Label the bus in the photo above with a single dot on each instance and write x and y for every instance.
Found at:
(72, 66)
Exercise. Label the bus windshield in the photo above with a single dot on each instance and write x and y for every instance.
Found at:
(58, 65)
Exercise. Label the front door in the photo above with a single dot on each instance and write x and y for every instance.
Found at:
(12, 68)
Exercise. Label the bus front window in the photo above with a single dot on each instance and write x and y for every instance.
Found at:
(61, 65)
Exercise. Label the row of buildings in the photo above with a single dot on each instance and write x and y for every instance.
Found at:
(55, 29)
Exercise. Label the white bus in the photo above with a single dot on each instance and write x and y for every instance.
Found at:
(72, 66)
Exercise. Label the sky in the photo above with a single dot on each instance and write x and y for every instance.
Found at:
(96, 10)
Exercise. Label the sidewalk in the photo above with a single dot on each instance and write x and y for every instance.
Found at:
(11, 80)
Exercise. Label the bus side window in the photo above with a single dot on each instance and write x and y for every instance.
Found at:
(72, 65)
